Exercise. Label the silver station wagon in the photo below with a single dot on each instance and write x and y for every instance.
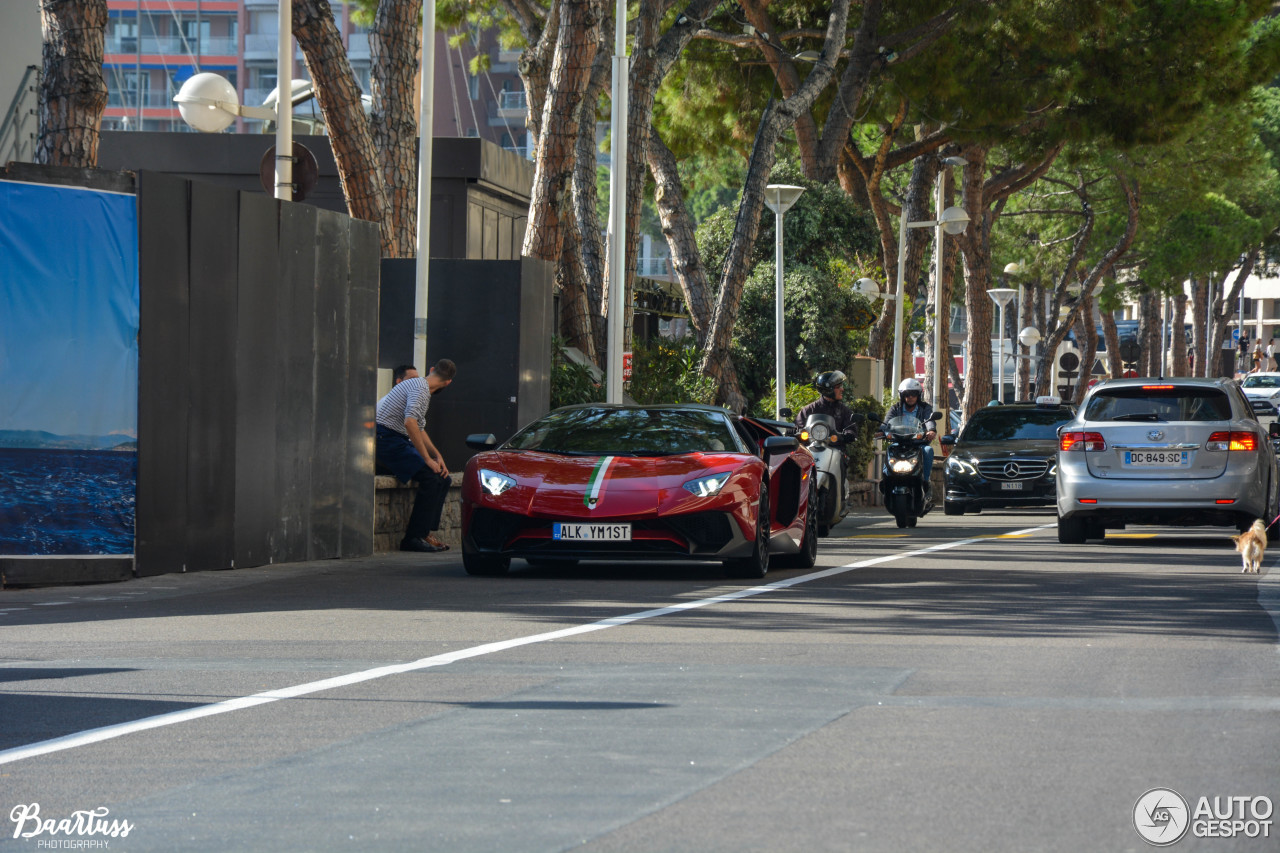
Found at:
(1176, 451)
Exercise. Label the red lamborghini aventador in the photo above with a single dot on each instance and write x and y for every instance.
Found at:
(612, 482)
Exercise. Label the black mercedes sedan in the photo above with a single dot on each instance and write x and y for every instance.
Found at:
(1005, 456)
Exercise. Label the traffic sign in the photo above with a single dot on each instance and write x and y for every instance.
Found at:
(1069, 361)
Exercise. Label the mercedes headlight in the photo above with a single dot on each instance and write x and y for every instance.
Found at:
(704, 487)
(960, 466)
(495, 483)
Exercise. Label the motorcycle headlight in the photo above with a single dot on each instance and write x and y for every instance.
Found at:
(495, 483)
(820, 432)
(706, 486)
(961, 466)
(902, 466)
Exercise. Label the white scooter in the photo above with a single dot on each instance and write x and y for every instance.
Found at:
(831, 478)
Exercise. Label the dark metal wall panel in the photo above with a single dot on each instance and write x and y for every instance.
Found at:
(161, 513)
(478, 326)
(329, 457)
(396, 291)
(362, 388)
(211, 377)
(537, 280)
(295, 367)
(256, 379)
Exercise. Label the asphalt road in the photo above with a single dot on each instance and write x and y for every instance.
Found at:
(969, 684)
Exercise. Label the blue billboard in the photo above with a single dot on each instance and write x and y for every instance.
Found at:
(68, 370)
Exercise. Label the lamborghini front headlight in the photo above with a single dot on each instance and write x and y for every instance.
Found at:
(495, 483)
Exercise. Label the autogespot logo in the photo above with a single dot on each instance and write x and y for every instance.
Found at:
(1161, 817)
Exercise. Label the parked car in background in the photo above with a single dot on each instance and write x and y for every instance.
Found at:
(1263, 391)
(614, 482)
(1005, 456)
(1177, 451)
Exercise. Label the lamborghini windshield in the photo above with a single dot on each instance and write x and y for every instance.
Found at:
(640, 431)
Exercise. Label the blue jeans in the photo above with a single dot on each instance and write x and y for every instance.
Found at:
(927, 462)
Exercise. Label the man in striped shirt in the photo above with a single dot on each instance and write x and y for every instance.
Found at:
(404, 448)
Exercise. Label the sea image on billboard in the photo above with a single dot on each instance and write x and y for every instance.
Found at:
(68, 370)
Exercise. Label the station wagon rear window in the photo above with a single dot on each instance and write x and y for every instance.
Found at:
(1158, 403)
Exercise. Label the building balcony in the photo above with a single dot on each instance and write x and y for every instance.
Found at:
(512, 105)
(146, 100)
(174, 46)
(654, 267)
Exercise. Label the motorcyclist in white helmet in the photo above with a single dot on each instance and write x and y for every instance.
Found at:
(911, 402)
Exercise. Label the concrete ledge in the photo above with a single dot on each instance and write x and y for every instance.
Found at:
(393, 502)
(45, 570)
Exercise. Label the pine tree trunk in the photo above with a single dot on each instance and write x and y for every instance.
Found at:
(585, 199)
(563, 110)
(394, 44)
(716, 361)
(677, 227)
(1199, 326)
(1090, 353)
(975, 244)
(1178, 351)
(1026, 317)
(73, 92)
(1115, 366)
(359, 167)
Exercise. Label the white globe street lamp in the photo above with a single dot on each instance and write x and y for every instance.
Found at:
(1001, 296)
(869, 288)
(209, 103)
(780, 198)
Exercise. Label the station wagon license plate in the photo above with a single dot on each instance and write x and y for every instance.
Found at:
(1157, 458)
(589, 532)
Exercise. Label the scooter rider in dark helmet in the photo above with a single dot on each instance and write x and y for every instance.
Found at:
(831, 386)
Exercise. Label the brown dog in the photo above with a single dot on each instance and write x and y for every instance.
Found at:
(1252, 545)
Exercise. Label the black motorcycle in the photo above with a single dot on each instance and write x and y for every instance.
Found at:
(906, 493)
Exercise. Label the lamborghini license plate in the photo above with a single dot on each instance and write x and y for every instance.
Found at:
(589, 532)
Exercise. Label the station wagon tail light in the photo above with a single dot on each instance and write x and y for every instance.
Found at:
(1081, 441)
(1232, 441)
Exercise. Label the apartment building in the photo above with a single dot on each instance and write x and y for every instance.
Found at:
(153, 46)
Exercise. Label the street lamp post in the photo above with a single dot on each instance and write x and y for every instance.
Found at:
(942, 308)
(779, 198)
(953, 220)
(422, 236)
(615, 248)
(209, 103)
(1001, 296)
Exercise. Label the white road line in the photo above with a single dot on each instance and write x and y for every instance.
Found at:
(90, 736)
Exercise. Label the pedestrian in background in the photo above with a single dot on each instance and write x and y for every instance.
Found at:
(401, 372)
(404, 448)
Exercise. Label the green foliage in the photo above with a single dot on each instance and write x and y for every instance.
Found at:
(862, 450)
(665, 371)
(571, 383)
(799, 395)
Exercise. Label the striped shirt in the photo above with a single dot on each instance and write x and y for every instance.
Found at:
(409, 399)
